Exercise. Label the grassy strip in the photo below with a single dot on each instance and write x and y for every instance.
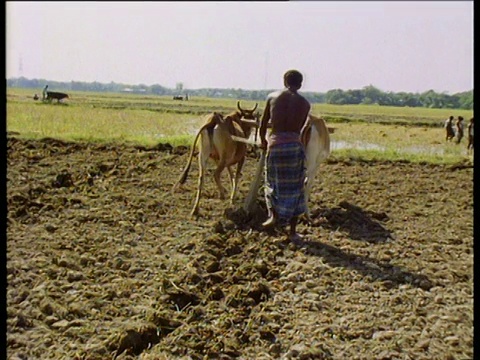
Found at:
(367, 131)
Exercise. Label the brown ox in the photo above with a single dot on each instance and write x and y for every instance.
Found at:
(216, 143)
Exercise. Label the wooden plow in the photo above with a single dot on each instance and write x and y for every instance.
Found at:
(249, 203)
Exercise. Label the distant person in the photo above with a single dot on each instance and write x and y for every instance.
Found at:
(459, 129)
(470, 135)
(450, 133)
(287, 111)
(44, 93)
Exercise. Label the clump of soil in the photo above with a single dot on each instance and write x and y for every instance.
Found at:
(104, 261)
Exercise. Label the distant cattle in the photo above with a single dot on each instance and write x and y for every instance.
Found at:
(216, 142)
(55, 95)
(180, 97)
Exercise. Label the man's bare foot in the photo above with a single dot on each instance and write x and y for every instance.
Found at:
(296, 239)
(270, 223)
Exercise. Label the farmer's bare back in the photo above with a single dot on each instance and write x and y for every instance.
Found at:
(288, 111)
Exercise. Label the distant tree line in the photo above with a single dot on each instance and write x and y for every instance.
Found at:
(367, 95)
(372, 95)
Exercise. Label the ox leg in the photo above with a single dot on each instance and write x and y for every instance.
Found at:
(230, 173)
(308, 186)
(236, 180)
(312, 166)
(202, 164)
(232, 183)
(217, 175)
(312, 174)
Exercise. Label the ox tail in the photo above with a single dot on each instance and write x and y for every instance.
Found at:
(184, 175)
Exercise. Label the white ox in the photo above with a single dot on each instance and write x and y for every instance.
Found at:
(316, 139)
(216, 143)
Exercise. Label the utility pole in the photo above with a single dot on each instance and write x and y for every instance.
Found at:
(20, 67)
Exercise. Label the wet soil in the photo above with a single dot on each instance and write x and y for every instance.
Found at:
(104, 261)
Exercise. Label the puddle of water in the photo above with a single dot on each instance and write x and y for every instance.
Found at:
(359, 145)
(424, 150)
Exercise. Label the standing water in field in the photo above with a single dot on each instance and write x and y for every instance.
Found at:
(362, 145)
(359, 145)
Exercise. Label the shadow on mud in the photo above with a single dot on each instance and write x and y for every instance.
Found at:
(360, 224)
(391, 276)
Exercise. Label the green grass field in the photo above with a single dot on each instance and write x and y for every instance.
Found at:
(361, 131)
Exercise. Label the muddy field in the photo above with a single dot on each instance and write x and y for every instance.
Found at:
(104, 261)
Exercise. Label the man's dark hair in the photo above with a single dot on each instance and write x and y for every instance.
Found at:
(293, 78)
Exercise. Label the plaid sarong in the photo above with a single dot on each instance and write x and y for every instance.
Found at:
(285, 176)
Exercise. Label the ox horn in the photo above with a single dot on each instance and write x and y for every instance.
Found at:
(241, 110)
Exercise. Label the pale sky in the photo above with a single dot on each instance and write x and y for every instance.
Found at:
(411, 46)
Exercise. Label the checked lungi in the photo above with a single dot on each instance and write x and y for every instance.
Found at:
(285, 176)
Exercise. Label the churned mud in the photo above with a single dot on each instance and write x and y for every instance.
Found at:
(104, 261)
